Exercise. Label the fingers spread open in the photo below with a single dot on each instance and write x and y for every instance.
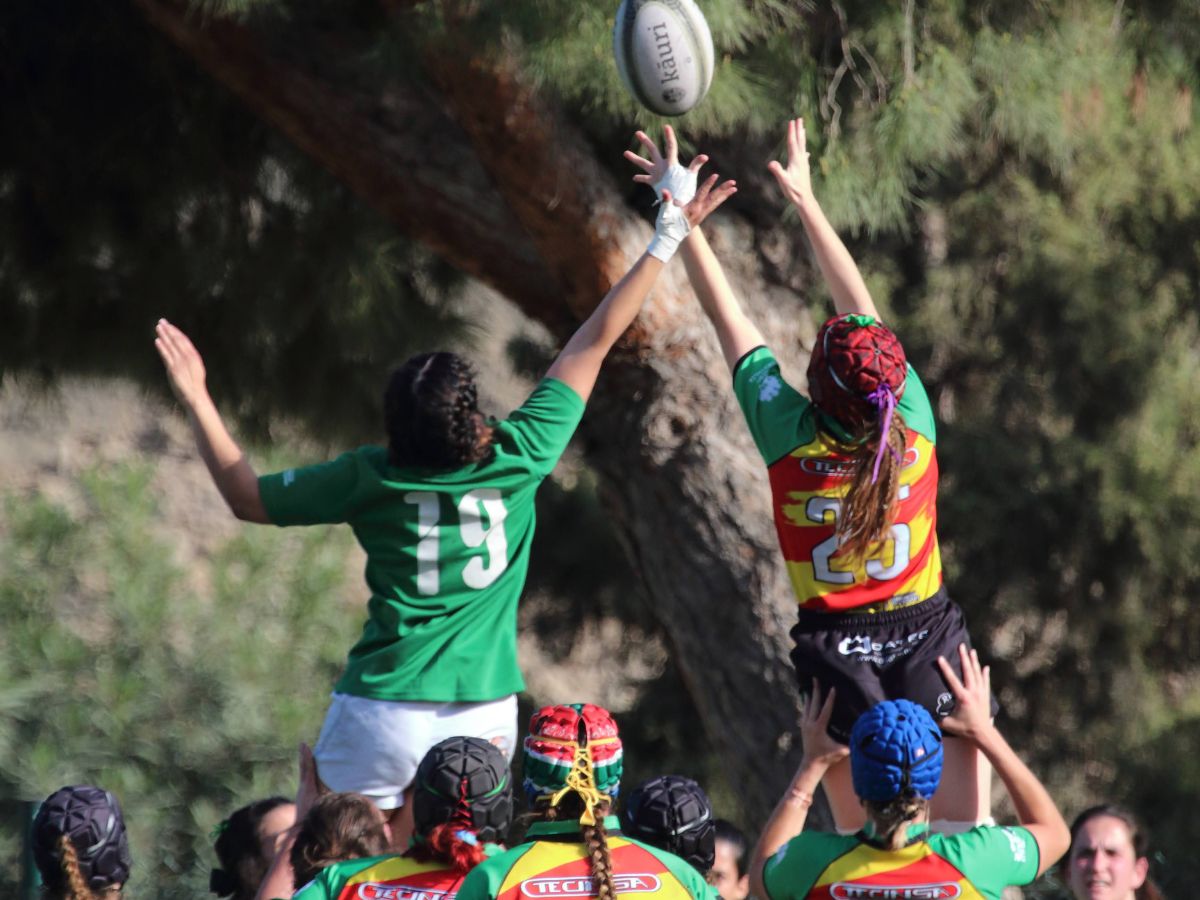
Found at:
(651, 147)
(696, 164)
(639, 161)
(670, 144)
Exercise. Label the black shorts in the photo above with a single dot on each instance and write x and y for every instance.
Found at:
(870, 657)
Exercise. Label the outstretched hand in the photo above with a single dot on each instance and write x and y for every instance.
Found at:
(708, 197)
(819, 747)
(185, 367)
(658, 166)
(972, 716)
(795, 181)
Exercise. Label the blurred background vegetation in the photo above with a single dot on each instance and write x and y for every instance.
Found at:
(1019, 182)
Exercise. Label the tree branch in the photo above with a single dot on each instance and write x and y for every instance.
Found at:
(432, 188)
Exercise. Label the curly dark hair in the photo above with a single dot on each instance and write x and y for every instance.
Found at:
(431, 413)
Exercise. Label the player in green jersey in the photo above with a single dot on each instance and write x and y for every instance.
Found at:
(574, 847)
(896, 754)
(445, 513)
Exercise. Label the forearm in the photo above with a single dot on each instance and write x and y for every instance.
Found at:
(736, 333)
(850, 294)
(1035, 808)
(232, 473)
(280, 880)
(580, 360)
(787, 820)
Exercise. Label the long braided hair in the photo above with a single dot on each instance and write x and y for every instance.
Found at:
(431, 413)
(892, 818)
(79, 844)
(856, 375)
(73, 885)
(573, 762)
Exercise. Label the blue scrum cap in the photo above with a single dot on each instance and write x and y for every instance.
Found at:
(895, 748)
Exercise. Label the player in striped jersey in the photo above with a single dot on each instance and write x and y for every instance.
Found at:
(462, 804)
(896, 760)
(575, 851)
(854, 475)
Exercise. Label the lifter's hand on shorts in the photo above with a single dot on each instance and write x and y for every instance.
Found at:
(819, 747)
(972, 716)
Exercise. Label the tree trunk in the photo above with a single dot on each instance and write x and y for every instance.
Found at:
(505, 189)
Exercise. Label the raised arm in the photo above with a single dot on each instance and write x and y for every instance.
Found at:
(850, 294)
(820, 753)
(736, 333)
(972, 720)
(579, 362)
(227, 464)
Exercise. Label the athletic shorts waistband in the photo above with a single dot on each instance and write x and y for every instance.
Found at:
(820, 621)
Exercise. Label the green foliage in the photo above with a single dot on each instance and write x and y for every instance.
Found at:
(183, 689)
(140, 189)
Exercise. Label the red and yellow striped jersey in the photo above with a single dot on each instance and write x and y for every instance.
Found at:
(809, 465)
(977, 865)
(559, 869)
(382, 878)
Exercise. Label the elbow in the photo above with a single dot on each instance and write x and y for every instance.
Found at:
(248, 509)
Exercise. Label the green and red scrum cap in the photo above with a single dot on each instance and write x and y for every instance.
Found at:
(573, 749)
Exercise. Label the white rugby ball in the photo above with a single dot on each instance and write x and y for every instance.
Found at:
(664, 53)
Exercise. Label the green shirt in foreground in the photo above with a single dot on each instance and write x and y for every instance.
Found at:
(976, 865)
(447, 553)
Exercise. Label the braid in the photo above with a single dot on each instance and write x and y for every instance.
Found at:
(431, 414)
(595, 839)
(75, 886)
(869, 507)
(890, 818)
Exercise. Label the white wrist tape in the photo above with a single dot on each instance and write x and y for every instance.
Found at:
(680, 182)
(670, 229)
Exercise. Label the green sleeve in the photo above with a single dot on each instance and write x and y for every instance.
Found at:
(483, 882)
(795, 867)
(779, 416)
(311, 495)
(914, 405)
(317, 889)
(991, 858)
(542, 427)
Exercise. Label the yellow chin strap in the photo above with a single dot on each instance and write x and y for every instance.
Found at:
(581, 779)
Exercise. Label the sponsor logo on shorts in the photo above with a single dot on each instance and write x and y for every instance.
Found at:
(944, 891)
(580, 886)
(370, 890)
(881, 653)
(945, 704)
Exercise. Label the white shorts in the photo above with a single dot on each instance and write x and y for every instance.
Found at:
(373, 747)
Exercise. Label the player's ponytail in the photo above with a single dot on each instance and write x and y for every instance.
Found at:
(856, 375)
(431, 414)
(869, 508)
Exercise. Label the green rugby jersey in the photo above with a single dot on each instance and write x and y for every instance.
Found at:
(447, 553)
(554, 864)
(976, 865)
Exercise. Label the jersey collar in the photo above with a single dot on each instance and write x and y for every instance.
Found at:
(611, 823)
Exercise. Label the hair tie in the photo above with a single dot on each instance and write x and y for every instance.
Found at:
(467, 837)
(885, 404)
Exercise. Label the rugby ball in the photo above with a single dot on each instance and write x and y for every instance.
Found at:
(664, 53)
